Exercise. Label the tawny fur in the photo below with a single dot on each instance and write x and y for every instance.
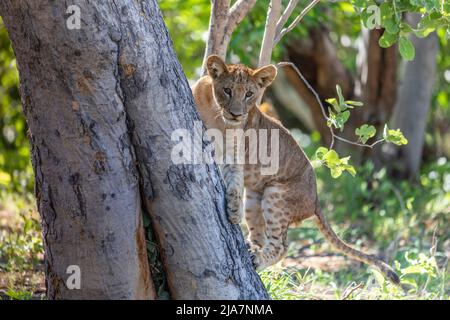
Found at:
(273, 202)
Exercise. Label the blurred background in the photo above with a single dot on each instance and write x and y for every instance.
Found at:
(398, 204)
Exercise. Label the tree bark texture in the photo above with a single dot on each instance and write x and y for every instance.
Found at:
(102, 103)
(86, 180)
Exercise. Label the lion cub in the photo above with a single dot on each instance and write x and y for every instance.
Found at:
(226, 98)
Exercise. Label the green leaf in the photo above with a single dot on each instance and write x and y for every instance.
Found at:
(321, 152)
(394, 136)
(354, 103)
(350, 169)
(331, 157)
(337, 166)
(336, 172)
(340, 96)
(407, 49)
(146, 220)
(335, 104)
(387, 39)
(365, 132)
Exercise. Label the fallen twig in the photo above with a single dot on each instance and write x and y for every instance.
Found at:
(353, 288)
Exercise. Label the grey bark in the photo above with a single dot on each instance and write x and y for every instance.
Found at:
(86, 180)
(413, 104)
(116, 87)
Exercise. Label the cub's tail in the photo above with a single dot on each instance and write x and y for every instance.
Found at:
(325, 228)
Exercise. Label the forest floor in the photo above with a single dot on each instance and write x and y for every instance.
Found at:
(21, 260)
(407, 228)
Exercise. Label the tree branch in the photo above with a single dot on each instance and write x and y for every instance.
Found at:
(285, 16)
(238, 12)
(296, 21)
(223, 21)
(273, 14)
(323, 110)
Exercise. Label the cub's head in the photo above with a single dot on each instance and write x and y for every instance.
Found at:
(237, 88)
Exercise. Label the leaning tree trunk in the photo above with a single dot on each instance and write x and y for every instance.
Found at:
(86, 180)
(102, 102)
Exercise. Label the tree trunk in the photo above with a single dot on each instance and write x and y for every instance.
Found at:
(86, 180)
(102, 103)
(411, 111)
(378, 76)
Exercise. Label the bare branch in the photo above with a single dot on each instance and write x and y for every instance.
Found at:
(296, 21)
(316, 95)
(223, 21)
(322, 108)
(273, 15)
(285, 16)
(238, 12)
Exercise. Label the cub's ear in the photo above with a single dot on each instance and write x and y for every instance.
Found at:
(215, 66)
(265, 75)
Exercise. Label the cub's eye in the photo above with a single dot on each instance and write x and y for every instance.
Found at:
(248, 94)
(227, 91)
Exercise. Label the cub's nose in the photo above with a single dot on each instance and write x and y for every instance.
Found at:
(235, 114)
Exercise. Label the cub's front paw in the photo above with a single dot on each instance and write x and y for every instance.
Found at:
(257, 258)
(250, 245)
(235, 209)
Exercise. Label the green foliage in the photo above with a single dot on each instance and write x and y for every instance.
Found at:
(187, 22)
(370, 207)
(21, 251)
(422, 279)
(13, 294)
(407, 49)
(331, 159)
(15, 166)
(341, 113)
(407, 220)
(390, 16)
(337, 118)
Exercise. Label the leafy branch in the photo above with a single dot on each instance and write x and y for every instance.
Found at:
(338, 115)
(435, 14)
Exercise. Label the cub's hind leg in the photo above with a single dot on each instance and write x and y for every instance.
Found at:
(276, 216)
(255, 219)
